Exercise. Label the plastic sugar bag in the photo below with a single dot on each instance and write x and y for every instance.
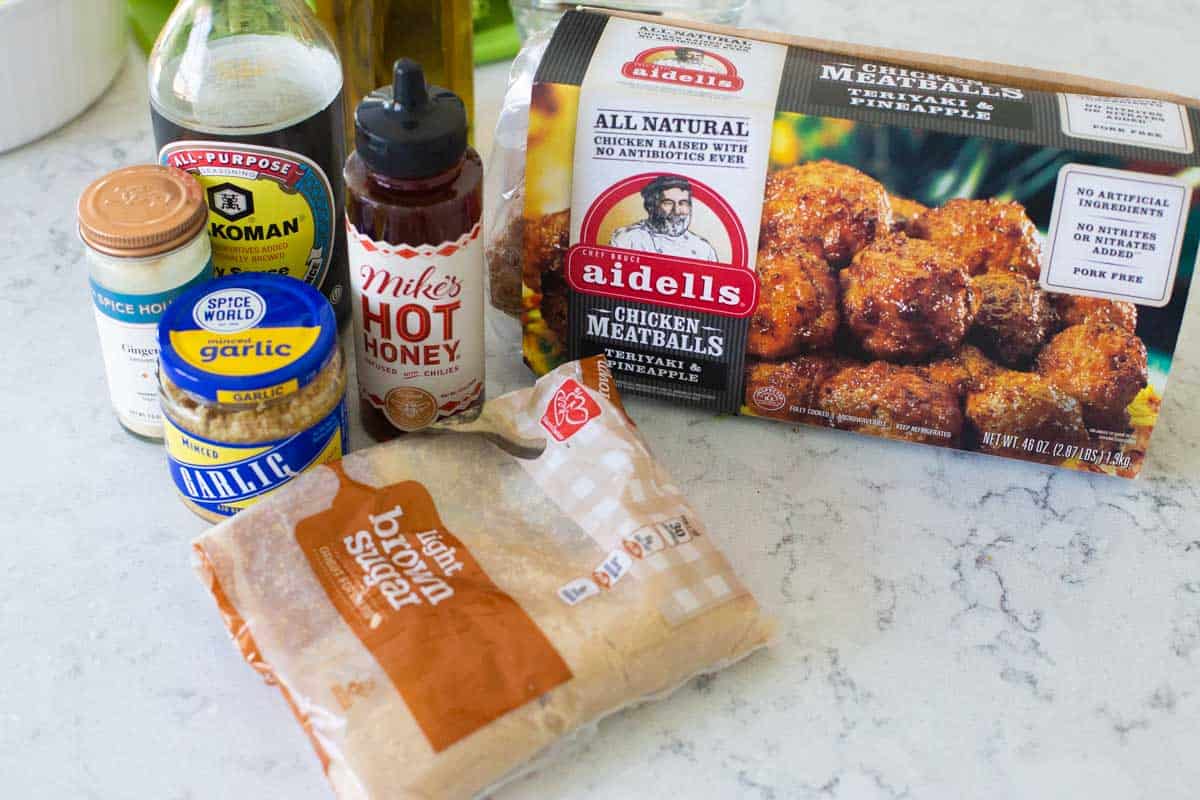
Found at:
(441, 610)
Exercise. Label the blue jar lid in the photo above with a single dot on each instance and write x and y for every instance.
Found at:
(246, 338)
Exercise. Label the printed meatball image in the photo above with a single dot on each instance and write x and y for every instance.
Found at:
(906, 299)
(1013, 317)
(963, 372)
(1100, 364)
(904, 212)
(545, 246)
(1075, 310)
(1010, 407)
(986, 235)
(785, 389)
(828, 209)
(882, 399)
(554, 301)
(797, 305)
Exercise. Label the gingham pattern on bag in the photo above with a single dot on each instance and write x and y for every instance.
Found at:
(605, 479)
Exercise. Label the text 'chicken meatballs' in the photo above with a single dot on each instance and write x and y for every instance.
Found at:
(1013, 317)
(906, 299)
(1100, 364)
(883, 399)
(830, 209)
(986, 235)
(797, 305)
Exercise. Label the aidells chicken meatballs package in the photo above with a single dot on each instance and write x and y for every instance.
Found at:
(952, 253)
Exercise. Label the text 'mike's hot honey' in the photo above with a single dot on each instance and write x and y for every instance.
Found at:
(413, 205)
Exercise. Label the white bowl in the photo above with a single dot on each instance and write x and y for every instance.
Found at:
(56, 57)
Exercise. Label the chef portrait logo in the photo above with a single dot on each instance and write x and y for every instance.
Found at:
(682, 65)
(665, 238)
(669, 214)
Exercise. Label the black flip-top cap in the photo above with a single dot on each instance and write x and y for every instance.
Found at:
(410, 130)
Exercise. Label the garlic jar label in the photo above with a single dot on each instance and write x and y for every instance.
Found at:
(224, 478)
(418, 325)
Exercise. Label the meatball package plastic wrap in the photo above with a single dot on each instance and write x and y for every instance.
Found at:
(441, 610)
(836, 235)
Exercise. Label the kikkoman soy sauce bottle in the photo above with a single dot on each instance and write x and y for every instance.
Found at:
(413, 203)
(247, 96)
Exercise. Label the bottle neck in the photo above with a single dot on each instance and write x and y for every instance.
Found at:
(389, 185)
(253, 16)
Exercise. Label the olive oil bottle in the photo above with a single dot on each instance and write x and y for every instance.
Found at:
(247, 96)
(372, 34)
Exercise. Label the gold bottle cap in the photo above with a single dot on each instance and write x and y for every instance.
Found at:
(141, 211)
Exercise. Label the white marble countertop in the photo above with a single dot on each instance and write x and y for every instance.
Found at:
(952, 625)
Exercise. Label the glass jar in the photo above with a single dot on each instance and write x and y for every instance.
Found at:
(252, 384)
(144, 228)
(535, 15)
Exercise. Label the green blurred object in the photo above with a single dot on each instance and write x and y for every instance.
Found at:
(146, 18)
(495, 34)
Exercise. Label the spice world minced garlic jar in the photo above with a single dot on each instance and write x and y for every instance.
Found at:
(252, 384)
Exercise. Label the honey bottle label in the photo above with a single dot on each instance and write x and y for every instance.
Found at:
(418, 322)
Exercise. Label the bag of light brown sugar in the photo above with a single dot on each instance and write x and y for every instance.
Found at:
(439, 611)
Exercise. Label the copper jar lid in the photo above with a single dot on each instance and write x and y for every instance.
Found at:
(141, 211)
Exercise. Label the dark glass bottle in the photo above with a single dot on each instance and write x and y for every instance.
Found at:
(414, 201)
(247, 96)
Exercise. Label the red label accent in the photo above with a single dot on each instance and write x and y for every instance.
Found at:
(662, 280)
(589, 232)
(645, 67)
(286, 171)
(406, 251)
(569, 410)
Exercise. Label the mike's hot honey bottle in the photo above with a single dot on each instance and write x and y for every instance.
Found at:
(247, 96)
(413, 204)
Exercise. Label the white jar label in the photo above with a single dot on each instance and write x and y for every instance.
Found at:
(128, 326)
(418, 326)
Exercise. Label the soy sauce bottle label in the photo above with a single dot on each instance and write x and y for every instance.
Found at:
(270, 210)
